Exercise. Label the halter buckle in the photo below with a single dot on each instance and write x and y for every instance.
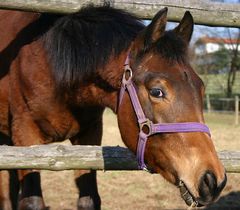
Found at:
(127, 75)
(146, 127)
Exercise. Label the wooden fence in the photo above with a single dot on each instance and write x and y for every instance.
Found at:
(236, 105)
(204, 13)
(61, 157)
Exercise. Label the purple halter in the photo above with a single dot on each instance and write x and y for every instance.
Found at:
(152, 128)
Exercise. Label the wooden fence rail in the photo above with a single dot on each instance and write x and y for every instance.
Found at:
(61, 157)
(205, 13)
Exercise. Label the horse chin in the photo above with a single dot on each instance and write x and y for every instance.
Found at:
(186, 195)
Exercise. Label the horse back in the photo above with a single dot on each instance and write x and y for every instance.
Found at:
(12, 22)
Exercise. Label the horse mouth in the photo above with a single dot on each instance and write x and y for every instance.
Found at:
(187, 196)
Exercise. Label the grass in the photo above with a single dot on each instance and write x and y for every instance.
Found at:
(219, 119)
(127, 190)
(217, 83)
(224, 131)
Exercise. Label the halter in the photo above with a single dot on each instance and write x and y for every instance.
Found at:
(147, 127)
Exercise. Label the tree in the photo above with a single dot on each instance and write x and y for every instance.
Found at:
(234, 60)
(234, 64)
(223, 58)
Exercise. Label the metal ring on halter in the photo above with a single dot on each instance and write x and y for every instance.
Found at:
(129, 71)
(148, 125)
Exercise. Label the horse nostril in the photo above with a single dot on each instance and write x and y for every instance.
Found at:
(208, 187)
(210, 181)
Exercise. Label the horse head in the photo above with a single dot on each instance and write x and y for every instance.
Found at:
(169, 91)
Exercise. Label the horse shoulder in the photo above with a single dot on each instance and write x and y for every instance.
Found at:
(37, 114)
(4, 105)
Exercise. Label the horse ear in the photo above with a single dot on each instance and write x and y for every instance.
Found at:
(185, 27)
(157, 27)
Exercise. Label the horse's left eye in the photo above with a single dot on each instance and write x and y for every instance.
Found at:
(156, 92)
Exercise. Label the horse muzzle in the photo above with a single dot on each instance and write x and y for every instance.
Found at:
(208, 190)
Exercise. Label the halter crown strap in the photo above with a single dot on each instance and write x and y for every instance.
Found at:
(127, 84)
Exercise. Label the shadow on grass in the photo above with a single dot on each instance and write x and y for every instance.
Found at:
(231, 201)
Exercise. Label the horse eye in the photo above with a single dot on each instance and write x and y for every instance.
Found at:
(156, 92)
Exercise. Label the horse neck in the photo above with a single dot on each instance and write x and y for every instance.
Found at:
(112, 75)
(104, 89)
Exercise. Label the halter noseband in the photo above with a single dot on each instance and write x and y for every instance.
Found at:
(144, 122)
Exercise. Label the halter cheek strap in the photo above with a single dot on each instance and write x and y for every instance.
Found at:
(148, 125)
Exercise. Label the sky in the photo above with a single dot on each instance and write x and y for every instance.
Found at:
(230, 1)
(200, 31)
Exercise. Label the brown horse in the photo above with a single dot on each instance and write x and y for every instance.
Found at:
(58, 73)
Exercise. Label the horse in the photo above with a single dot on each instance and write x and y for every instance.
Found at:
(59, 72)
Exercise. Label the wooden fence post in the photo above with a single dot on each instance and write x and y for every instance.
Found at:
(208, 103)
(236, 109)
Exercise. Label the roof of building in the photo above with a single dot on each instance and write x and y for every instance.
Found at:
(217, 40)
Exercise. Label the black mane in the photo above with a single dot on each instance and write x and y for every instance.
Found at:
(82, 42)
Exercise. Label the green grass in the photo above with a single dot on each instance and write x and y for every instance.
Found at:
(217, 83)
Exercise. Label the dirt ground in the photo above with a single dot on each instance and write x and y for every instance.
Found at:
(128, 190)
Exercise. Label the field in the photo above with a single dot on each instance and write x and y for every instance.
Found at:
(140, 190)
(217, 83)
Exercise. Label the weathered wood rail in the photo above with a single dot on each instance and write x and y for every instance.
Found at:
(61, 157)
(205, 13)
